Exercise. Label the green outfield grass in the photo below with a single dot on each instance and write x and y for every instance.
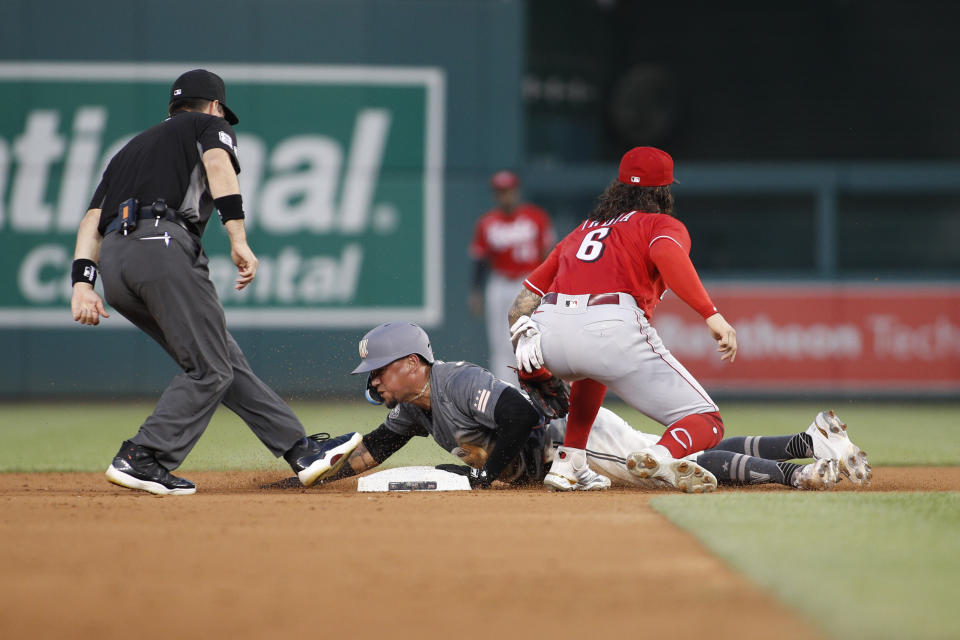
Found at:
(84, 436)
(881, 565)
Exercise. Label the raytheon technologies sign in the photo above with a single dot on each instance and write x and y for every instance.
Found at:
(341, 174)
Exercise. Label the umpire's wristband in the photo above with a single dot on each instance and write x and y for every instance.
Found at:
(230, 207)
(84, 270)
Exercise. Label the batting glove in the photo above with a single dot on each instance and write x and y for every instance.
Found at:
(529, 354)
(524, 325)
(526, 332)
(479, 479)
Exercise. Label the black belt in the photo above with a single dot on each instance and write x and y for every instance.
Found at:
(148, 211)
(593, 300)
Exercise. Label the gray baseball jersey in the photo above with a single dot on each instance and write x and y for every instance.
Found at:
(462, 399)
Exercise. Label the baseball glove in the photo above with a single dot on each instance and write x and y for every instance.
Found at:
(528, 468)
(549, 394)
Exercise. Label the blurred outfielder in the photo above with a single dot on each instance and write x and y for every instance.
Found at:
(509, 241)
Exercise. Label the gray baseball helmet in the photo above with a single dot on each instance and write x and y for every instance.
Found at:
(392, 341)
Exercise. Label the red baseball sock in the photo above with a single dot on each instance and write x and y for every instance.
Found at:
(586, 396)
(693, 433)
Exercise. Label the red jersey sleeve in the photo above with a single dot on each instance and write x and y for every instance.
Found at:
(541, 278)
(670, 257)
(478, 245)
(668, 227)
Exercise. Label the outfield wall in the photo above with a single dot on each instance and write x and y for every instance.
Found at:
(367, 131)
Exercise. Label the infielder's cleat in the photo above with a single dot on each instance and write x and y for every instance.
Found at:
(817, 476)
(556, 482)
(831, 441)
(570, 472)
(319, 456)
(135, 467)
(592, 481)
(685, 475)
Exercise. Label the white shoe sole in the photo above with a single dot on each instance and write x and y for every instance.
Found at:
(122, 479)
(556, 482)
(600, 485)
(852, 461)
(330, 463)
(685, 475)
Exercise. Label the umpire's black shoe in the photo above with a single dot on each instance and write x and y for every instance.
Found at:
(319, 456)
(135, 467)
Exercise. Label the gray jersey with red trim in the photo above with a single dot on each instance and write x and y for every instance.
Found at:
(462, 400)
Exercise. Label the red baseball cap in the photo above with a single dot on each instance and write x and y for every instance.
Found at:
(646, 167)
(504, 180)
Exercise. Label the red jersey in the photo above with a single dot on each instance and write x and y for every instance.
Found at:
(632, 254)
(513, 244)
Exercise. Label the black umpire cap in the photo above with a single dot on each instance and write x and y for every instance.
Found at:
(205, 85)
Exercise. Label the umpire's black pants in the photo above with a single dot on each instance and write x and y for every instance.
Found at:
(157, 278)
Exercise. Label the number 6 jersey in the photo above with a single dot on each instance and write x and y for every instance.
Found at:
(642, 254)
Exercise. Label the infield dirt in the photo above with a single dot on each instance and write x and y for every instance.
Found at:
(83, 559)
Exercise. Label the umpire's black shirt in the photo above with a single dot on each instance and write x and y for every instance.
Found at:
(166, 162)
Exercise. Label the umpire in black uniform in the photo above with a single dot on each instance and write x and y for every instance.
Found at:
(143, 227)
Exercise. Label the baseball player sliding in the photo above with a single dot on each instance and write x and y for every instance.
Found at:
(585, 314)
(498, 433)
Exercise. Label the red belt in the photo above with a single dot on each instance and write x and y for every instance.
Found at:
(594, 299)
